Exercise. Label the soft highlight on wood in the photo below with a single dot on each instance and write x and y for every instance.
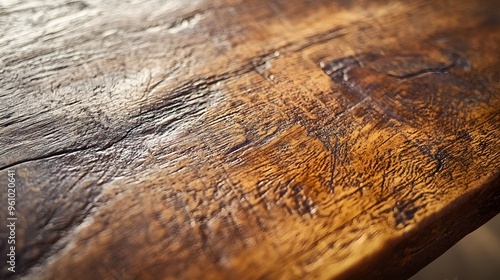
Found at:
(233, 139)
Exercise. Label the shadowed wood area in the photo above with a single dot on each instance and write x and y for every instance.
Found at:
(233, 139)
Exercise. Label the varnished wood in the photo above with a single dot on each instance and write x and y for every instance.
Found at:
(246, 139)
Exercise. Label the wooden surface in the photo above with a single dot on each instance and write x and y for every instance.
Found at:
(240, 139)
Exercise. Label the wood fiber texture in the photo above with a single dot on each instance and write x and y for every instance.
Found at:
(262, 139)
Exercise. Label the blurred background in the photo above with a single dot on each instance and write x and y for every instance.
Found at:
(476, 257)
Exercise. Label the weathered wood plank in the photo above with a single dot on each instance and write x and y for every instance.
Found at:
(246, 139)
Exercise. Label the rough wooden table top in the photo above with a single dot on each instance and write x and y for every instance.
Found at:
(240, 139)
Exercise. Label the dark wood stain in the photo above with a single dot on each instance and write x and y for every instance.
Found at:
(247, 139)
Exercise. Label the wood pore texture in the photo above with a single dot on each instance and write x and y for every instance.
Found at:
(233, 139)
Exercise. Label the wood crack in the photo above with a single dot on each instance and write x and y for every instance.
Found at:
(51, 155)
(431, 70)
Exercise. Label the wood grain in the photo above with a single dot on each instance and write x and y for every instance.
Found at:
(246, 139)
